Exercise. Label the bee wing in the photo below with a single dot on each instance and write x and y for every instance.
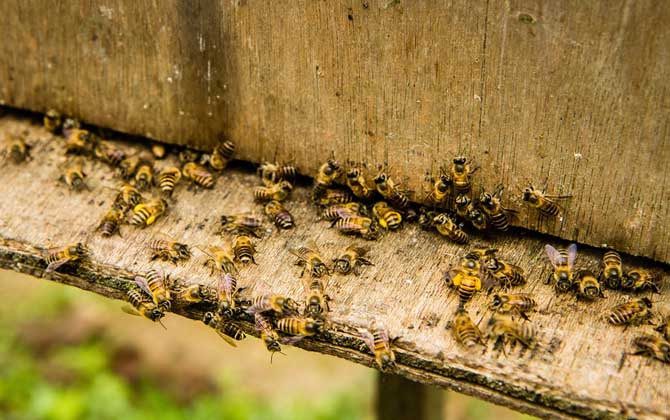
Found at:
(130, 310)
(55, 265)
(311, 244)
(142, 283)
(290, 340)
(572, 255)
(368, 338)
(226, 338)
(554, 255)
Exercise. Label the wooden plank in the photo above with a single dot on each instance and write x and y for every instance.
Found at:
(403, 291)
(573, 92)
(401, 399)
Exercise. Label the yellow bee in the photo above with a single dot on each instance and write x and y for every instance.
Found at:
(461, 171)
(220, 258)
(281, 217)
(563, 262)
(75, 177)
(194, 293)
(544, 203)
(145, 214)
(198, 175)
(79, 141)
(664, 328)
(477, 218)
(168, 179)
(363, 226)
(466, 279)
(278, 304)
(652, 346)
(316, 301)
(391, 191)
(462, 205)
(227, 295)
(441, 189)
(166, 250)
(587, 285)
(446, 226)
(268, 334)
(612, 273)
(633, 312)
(639, 280)
(387, 216)
(379, 344)
(464, 330)
(222, 155)
(482, 254)
(357, 184)
(505, 329)
(226, 329)
(107, 153)
(353, 258)
(242, 223)
(426, 218)
(304, 327)
(309, 257)
(507, 275)
(331, 196)
(158, 150)
(187, 155)
(52, 120)
(329, 173)
(18, 150)
(520, 304)
(278, 192)
(143, 306)
(57, 257)
(155, 284)
(127, 198)
(110, 222)
(341, 211)
(492, 207)
(244, 249)
(128, 166)
(272, 173)
(144, 177)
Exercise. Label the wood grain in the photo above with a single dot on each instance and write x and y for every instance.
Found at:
(403, 291)
(571, 92)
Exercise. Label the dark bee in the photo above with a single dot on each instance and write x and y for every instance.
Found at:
(128, 166)
(188, 155)
(482, 254)
(278, 192)
(664, 328)
(268, 334)
(172, 251)
(491, 205)
(639, 280)
(505, 329)
(278, 214)
(519, 304)
(155, 284)
(587, 286)
(75, 177)
(243, 249)
(652, 346)
(198, 175)
(563, 262)
(391, 191)
(227, 295)
(222, 155)
(462, 204)
(272, 173)
(107, 153)
(145, 214)
(142, 305)
(477, 218)
(633, 312)
(194, 293)
(127, 198)
(466, 279)
(612, 273)
(309, 258)
(316, 301)
(18, 150)
(380, 345)
(386, 216)
(242, 223)
(278, 304)
(72, 253)
(329, 173)
(426, 218)
(226, 329)
(110, 222)
(168, 179)
(220, 258)
(464, 330)
(331, 197)
(357, 184)
(79, 141)
(544, 203)
(461, 171)
(507, 275)
(352, 259)
(341, 211)
(52, 120)
(304, 327)
(363, 226)
(441, 190)
(144, 177)
(447, 227)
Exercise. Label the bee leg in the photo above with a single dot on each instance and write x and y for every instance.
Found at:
(524, 316)
(548, 279)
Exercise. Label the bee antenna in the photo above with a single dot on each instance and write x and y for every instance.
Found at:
(162, 325)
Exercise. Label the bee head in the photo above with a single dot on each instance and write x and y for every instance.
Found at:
(271, 344)
(528, 195)
(156, 314)
(342, 266)
(208, 318)
(381, 178)
(224, 220)
(497, 301)
(182, 250)
(353, 173)
(333, 165)
(314, 326)
(80, 249)
(462, 200)
(460, 160)
(289, 305)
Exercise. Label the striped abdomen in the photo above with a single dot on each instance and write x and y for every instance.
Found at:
(465, 331)
(548, 207)
(168, 179)
(232, 330)
(291, 326)
(144, 177)
(467, 288)
(244, 249)
(279, 215)
(109, 227)
(199, 175)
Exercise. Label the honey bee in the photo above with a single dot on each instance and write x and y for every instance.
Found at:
(357, 184)
(52, 120)
(268, 334)
(505, 329)
(57, 257)
(110, 222)
(664, 328)
(278, 304)
(391, 191)
(144, 177)
(127, 198)
(639, 280)
(544, 203)
(128, 166)
(363, 226)
(563, 262)
(309, 257)
(271, 173)
(227, 295)
(247, 223)
(316, 301)
(154, 284)
(331, 197)
(168, 179)
(652, 346)
(441, 190)
(222, 155)
(158, 150)
(612, 273)
(281, 217)
(633, 312)
(187, 155)
(172, 251)
(477, 218)
(107, 153)
(507, 275)
(198, 175)
(447, 227)
(194, 293)
(328, 174)
(243, 249)
(143, 306)
(461, 171)
(482, 254)
(386, 216)
(464, 330)
(587, 285)
(341, 211)
(18, 150)
(304, 327)
(426, 218)
(520, 304)
(75, 177)
(352, 259)
(79, 141)
(220, 258)
(145, 214)
(466, 279)
(493, 209)
(380, 345)
(228, 330)
(278, 192)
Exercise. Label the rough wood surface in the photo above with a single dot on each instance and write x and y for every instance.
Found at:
(574, 92)
(404, 291)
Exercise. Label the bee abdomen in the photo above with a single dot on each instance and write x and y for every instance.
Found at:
(226, 149)
(549, 208)
(393, 220)
(233, 330)
(167, 181)
(140, 216)
(499, 221)
(108, 228)
(290, 326)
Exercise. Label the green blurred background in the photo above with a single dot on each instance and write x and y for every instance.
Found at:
(69, 354)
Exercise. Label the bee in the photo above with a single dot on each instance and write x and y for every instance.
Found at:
(363, 226)
(386, 216)
(226, 329)
(198, 175)
(107, 153)
(110, 222)
(18, 151)
(464, 330)
(331, 197)
(72, 253)
(441, 189)
(143, 306)
(328, 174)
(304, 327)
(633, 312)
(491, 205)
(380, 345)
(477, 218)
(507, 275)
(391, 191)
(158, 150)
(309, 257)
(612, 273)
(244, 249)
(426, 218)
(357, 184)
(144, 177)
(172, 251)
(462, 206)
(227, 295)
(316, 302)
(447, 227)
(664, 328)
(341, 211)
(353, 258)
(79, 141)
(194, 293)
(652, 346)
(466, 279)
(505, 329)
(154, 284)
(222, 155)
(587, 285)
(127, 198)
(482, 254)
(544, 203)
(281, 217)
(272, 173)
(220, 258)
(128, 166)
(247, 223)
(75, 177)
(52, 120)
(168, 179)
(268, 334)
(278, 304)
(278, 192)
(639, 280)
(563, 262)
(506, 303)
(188, 155)
(145, 214)
(461, 171)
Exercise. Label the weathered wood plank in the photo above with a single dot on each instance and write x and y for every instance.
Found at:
(573, 92)
(403, 291)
